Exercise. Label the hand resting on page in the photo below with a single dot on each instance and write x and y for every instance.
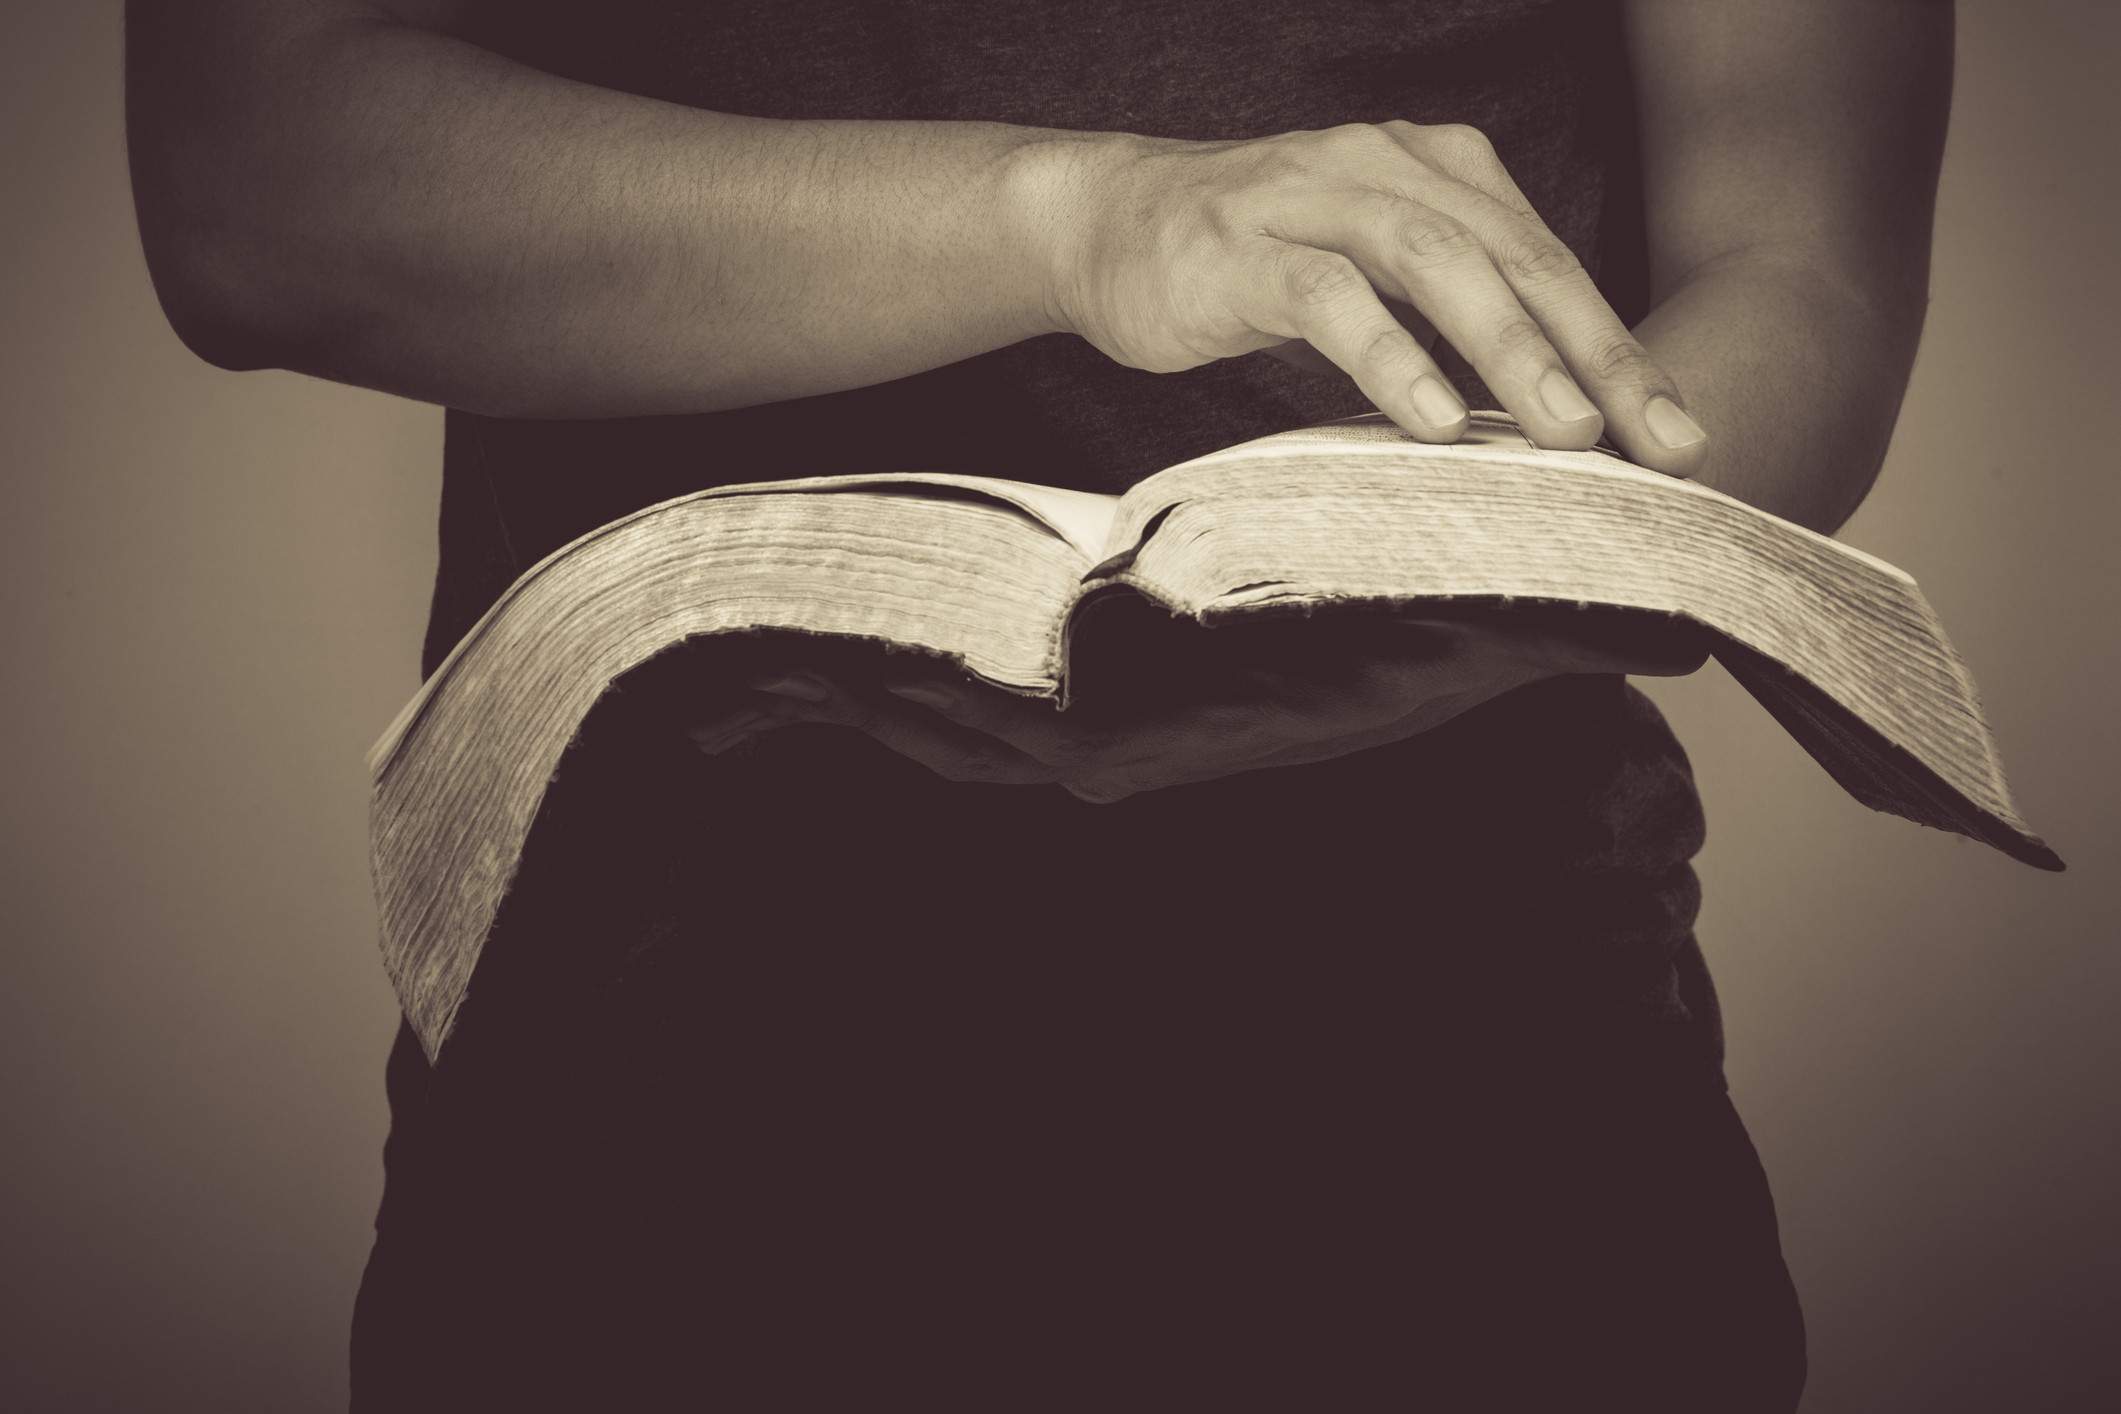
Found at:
(1345, 248)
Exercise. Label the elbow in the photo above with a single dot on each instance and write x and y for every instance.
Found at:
(207, 200)
(224, 343)
(239, 299)
(220, 316)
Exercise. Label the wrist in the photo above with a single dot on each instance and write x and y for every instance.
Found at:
(1058, 189)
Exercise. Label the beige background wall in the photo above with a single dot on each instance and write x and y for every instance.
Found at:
(213, 590)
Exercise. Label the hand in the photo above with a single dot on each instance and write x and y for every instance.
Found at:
(1301, 694)
(1184, 252)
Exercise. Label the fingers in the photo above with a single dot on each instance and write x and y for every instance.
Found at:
(1444, 268)
(1643, 409)
(1092, 765)
(1255, 717)
(1323, 298)
(1298, 353)
(1294, 244)
(1449, 233)
(904, 725)
(719, 733)
(1641, 404)
(1103, 759)
(1449, 271)
(967, 732)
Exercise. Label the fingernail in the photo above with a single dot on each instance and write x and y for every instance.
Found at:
(1564, 400)
(801, 685)
(926, 696)
(1437, 402)
(1671, 426)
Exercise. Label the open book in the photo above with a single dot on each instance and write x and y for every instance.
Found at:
(994, 575)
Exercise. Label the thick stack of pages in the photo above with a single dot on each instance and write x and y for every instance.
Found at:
(1840, 647)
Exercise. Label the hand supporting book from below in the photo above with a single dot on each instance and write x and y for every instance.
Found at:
(1198, 705)
(1293, 599)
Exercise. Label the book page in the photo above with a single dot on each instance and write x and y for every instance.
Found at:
(969, 579)
(1363, 521)
(1488, 436)
(1080, 519)
(987, 573)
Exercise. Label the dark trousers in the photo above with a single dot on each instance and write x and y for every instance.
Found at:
(847, 1090)
(1623, 1260)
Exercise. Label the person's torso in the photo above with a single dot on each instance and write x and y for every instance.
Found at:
(1557, 820)
(1544, 79)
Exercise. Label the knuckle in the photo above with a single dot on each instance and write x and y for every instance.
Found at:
(1319, 278)
(1296, 162)
(1463, 135)
(1433, 238)
(1461, 144)
(859, 715)
(1386, 347)
(1517, 334)
(1288, 170)
(1538, 259)
(1363, 140)
(1231, 213)
(1625, 362)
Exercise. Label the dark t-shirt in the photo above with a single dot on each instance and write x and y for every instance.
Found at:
(835, 1061)
(1558, 811)
(1571, 786)
(1545, 81)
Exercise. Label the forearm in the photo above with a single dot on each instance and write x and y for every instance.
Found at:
(1799, 383)
(1790, 161)
(387, 206)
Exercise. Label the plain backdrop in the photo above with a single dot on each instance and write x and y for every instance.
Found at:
(213, 592)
